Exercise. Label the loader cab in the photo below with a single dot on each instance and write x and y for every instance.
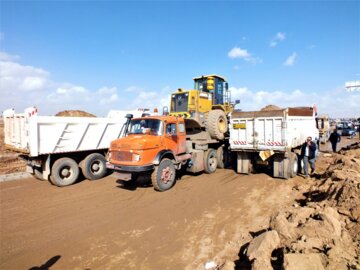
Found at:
(214, 84)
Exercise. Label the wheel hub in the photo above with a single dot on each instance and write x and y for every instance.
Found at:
(95, 167)
(166, 175)
(65, 172)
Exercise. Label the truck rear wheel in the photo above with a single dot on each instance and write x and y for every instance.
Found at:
(163, 176)
(93, 166)
(38, 173)
(64, 172)
(210, 161)
(216, 124)
(293, 164)
(220, 157)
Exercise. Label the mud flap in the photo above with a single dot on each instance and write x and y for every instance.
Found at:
(281, 167)
(244, 164)
(197, 161)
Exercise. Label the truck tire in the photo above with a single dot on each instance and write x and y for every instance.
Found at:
(64, 172)
(210, 161)
(38, 173)
(93, 166)
(163, 176)
(294, 164)
(220, 157)
(216, 124)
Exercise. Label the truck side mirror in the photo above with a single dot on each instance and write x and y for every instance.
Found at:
(165, 110)
(226, 86)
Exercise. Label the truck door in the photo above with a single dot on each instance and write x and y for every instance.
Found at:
(171, 137)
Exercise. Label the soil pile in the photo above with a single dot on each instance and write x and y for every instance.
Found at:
(270, 108)
(321, 230)
(74, 113)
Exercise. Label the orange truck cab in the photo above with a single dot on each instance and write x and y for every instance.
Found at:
(158, 146)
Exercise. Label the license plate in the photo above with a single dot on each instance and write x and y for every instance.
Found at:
(239, 126)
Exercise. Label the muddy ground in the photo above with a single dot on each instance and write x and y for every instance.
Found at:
(108, 225)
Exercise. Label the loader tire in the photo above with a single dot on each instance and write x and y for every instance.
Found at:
(64, 172)
(93, 166)
(163, 176)
(216, 124)
(210, 161)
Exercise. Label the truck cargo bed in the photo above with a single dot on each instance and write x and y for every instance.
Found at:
(276, 130)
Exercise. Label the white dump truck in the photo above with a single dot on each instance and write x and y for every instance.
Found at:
(58, 148)
(271, 138)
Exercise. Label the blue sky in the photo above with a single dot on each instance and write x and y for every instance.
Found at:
(122, 55)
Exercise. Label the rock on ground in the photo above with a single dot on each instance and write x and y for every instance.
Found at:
(296, 261)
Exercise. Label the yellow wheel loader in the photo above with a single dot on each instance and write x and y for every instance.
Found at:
(206, 106)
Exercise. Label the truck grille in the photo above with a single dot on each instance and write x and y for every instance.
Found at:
(121, 156)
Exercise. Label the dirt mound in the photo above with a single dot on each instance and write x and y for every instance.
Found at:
(322, 229)
(74, 113)
(270, 108)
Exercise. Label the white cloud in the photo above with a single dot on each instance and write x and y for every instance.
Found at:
(277, 38)
(24, 85)
(7, 57)
(108, 95)
(311, 46)
(280, 36)
(31, 83)
(237, 52)
(290, 61)
(337, 103)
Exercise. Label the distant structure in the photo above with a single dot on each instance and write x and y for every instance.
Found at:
(352, 86)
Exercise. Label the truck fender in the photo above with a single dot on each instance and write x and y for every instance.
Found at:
(162, 154)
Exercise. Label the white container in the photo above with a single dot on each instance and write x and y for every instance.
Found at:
(259, 135)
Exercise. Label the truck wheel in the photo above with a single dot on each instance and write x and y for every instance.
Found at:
(220, 157)
(163, 176)
(294, 165)
(216, 124)
(93, 166)
(64, 172)
(38, 173)
(210, 161)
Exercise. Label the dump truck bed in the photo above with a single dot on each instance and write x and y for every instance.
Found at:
(37, 135)
(276, 130)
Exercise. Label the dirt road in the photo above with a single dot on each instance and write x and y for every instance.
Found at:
(105, 225)
(99, 225)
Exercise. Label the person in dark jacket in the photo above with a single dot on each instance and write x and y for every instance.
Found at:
(308, 156)
(334, 139)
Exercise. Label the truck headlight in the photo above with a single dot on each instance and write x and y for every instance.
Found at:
(136, 157)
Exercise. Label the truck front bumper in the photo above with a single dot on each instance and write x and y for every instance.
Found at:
(130, 169)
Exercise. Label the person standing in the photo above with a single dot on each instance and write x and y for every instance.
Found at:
(334, 139)
(308, 156)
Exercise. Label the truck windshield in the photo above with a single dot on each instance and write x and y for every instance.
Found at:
(142, 126)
